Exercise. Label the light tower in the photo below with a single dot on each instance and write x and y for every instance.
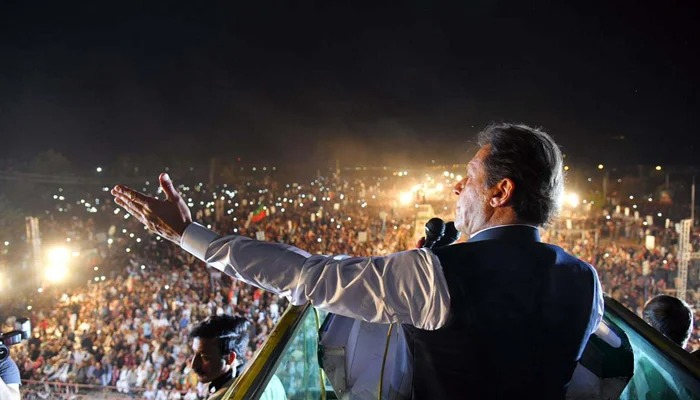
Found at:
(685, 254)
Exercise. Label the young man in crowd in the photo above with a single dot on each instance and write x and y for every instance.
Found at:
(670, 316)
(674, 319)
(219, 345)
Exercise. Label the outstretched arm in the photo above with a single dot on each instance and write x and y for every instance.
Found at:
(407, 287)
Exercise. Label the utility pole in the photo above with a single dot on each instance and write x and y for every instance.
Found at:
(605, 187)
(34, 238)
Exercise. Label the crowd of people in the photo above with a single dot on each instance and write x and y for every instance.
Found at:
(126, 328)
(630, 271)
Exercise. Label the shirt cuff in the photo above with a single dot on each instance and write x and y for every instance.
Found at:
(196, 240)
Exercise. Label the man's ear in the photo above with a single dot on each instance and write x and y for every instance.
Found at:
(231, 359)
(502, 193)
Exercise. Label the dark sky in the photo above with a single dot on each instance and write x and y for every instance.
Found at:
(320, 80)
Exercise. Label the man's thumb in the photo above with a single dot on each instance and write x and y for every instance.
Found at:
(168, 188)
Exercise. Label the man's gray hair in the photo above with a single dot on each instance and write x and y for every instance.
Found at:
(532, 159)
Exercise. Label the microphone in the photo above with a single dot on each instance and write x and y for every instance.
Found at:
(434, 230)
(451, 235)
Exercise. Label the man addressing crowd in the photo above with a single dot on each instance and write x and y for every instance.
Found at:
(502, 315)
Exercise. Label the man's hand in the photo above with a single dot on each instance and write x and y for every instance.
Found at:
(168, 217)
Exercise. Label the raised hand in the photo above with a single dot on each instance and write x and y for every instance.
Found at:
(168, 217)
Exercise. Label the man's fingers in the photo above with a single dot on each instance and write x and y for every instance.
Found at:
(131, 195)
(166, 184)
(131, 209)
(138, 213)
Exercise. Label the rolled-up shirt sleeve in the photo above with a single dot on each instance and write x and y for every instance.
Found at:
(406, 287)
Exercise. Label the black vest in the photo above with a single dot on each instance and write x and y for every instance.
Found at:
(518, 320)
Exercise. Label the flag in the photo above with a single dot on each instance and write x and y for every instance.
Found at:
(259, 214)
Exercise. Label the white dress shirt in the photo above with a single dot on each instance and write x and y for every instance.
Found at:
(406, 287)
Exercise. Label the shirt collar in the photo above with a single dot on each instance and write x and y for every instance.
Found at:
(219, 382)
(499, 231)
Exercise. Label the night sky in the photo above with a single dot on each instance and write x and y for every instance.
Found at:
(614, 82)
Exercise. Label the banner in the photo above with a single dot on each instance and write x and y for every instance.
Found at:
(650, 242)
(362, 236)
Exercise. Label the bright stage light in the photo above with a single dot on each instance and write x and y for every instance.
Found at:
(57, 264)
(405, 198)
(56, 273)
(58, 255)
(571, 199)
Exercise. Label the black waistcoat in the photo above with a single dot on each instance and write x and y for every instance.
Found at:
(519, 312)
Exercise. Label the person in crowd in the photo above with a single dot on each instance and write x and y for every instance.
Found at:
(457, 304)
(9, 380)
(670, 316)
(674, 319)
(219, 345)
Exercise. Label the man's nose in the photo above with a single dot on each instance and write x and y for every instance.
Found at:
(459, 186)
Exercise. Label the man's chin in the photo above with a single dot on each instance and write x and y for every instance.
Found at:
(462, 229)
